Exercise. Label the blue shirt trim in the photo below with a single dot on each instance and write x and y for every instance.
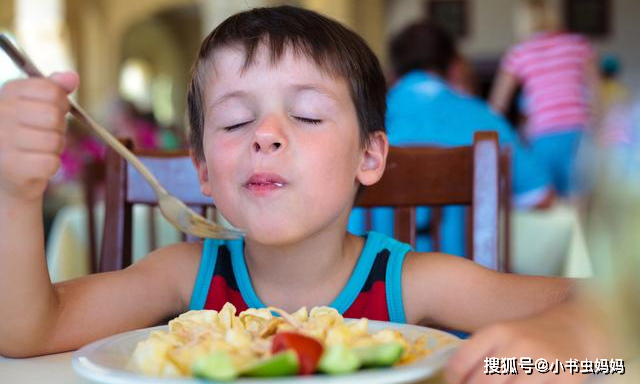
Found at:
(375, 242)
(393, 284)
(241, 273)
(360, 273)
(205, 273)
(345, 298)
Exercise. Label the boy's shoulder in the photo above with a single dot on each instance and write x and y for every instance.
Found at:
(423, 262)
(175, 265)
(421, 270)
(179, 250)
(179, 258)
(432, 281)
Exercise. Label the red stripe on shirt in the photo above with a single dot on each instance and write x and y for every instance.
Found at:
(220, 293)
(371, 304)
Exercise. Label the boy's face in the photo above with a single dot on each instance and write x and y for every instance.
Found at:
(281, 145)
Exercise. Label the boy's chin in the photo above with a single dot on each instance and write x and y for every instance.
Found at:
(272, 235)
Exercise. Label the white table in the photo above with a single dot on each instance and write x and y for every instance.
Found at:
(50, 369)
(549, 242)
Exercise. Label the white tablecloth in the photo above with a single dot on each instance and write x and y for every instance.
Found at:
(549, 242)
(50, 369)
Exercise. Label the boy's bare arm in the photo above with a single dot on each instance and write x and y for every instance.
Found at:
(67, 315)
(41, 317)
(459, 294)
(145, 294)
(31, 140)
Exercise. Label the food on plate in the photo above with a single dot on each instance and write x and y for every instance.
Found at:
(270, 342)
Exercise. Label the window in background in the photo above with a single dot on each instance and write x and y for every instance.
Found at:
(148, 92)
(135, 83)
(161, 95)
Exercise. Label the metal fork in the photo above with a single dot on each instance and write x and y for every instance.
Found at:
(175, 211)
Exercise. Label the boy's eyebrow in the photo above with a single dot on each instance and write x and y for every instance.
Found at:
(297, 87)
(315, 88)
(226, 96)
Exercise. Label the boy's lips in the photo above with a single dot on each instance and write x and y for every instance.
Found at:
(264, 182)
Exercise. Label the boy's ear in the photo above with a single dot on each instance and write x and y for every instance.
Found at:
(203, 175)
(374, 159)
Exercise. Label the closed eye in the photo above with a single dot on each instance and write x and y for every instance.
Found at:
(232, 127)
(307, 120)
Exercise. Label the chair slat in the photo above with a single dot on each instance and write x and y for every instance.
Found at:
(485, 202)
(405, 224)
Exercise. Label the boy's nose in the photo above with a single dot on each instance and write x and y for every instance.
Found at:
(269, 137)
(265, 146)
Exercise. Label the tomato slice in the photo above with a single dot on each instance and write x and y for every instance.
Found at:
(308, 349)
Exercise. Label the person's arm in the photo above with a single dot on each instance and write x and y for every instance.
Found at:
(567, 331)
(41, 317)
(503, 88)
(456, 293)
(95, 306)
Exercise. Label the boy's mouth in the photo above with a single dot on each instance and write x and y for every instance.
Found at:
(265, 182)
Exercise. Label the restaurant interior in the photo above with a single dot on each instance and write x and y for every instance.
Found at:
(135, 58)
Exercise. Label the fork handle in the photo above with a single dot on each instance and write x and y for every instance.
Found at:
(117, 146)
(27, 66)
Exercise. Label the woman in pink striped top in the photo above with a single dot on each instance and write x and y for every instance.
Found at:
(557, 72)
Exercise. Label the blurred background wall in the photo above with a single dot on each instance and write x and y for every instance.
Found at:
(492, 29)
(142, 49)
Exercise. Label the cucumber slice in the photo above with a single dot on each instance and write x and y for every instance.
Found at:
(380, 355)
(216, 366)
(338, 359)
(284, 363)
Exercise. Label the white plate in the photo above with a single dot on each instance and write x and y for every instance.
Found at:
(105, 360)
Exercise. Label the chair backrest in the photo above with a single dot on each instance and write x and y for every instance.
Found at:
(476, 176)
(93, 176)
(125, 187)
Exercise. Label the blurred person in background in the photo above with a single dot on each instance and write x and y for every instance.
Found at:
(172, 137)
(559, 79)
(126, 120)
(424, 108)
(462, 76)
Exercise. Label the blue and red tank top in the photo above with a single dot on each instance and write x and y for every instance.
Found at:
(374, 289)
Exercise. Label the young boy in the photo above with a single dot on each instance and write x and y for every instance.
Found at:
(287, 122)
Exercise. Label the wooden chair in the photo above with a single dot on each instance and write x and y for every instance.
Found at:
(93, 176)
(414, 177)
(476, 176)
(125, 187)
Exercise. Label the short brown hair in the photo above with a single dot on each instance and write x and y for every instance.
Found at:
(422, 45)
(334, 48)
